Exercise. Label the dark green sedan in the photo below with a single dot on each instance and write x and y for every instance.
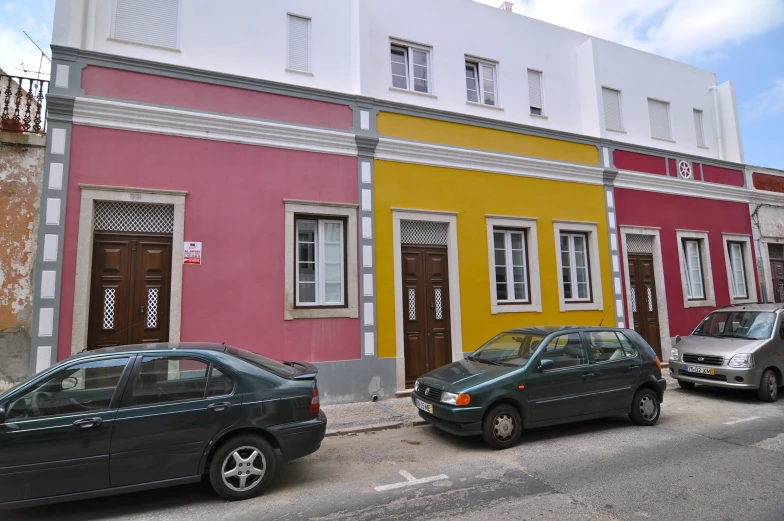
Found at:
(124, 419)
(539, 376)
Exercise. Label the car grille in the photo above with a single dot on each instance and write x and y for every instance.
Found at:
(715, 377)
(431, 393)
(706, 359)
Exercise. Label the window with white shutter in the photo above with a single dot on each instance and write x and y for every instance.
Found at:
(613, 118)
(299, 43)
(698, 128)
(659, 112)
(535, 97)
(151, 22)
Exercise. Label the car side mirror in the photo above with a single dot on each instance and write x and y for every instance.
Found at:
(2, 414)
(545, 364)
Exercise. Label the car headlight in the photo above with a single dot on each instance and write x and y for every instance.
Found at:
(455, 399)
(745, 361)
(674, 354)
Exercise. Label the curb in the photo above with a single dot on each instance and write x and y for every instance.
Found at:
(372, 428)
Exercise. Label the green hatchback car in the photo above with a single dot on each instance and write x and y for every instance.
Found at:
(539, 376)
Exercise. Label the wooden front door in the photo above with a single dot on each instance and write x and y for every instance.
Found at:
(644, 311)
(129, 296)
(426, 329)
(777, 273)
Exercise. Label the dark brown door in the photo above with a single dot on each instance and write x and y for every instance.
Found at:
(426, 329)
(644, 310)
(777, 272)
(129, 300)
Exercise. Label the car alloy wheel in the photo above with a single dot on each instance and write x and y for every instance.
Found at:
(503, 426)
(773, 388)
(243, 469)
(649, 409)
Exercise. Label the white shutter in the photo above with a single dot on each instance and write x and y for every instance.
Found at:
(659, 112)
(699, 128)
(535, 89)
(299, 43)
(152, 22)
(612, 109)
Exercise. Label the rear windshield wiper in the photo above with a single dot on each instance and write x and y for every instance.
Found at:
(292, 364)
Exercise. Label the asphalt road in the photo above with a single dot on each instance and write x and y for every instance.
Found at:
(715, 455)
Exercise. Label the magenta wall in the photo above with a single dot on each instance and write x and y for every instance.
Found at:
(235, 207)
(674, 212)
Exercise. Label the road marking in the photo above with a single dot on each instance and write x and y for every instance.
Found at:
(733, 422)
(410, 480)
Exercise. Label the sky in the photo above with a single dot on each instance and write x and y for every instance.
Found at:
(740, 40)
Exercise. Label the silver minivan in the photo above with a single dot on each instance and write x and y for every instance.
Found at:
(735, 346)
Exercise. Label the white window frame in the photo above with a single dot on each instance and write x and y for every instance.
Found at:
(179, 30)
(744, 241)
(478, 64)
(709, 295)
(409, 48)
(594, 267)
(542, 113)
(620, 110)
(295, 210)
(320, 263)
(309, 70)
(699, 130)
(669, 120)
(527, 225)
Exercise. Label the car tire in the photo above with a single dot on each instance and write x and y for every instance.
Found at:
(502, 426)
(769, 386)
(242, 467)
(686, 385)
(646, 407)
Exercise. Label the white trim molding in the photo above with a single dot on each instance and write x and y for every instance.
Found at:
(527, 225)
(454, 285)
(204, 125)
(597, 290)
(314, 208)
(709, 295)
(748, 268)
(84, 252)
(658, 278)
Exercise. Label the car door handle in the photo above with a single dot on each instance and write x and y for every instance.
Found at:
(634, 366)
(218, 407)
(588, 375)
(86, 423)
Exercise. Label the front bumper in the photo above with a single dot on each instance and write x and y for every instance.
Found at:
(301, 438)
(724, 376)
(460, 421)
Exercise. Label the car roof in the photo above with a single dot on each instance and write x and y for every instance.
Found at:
(760, 306)
(546, 330)
(163, 346)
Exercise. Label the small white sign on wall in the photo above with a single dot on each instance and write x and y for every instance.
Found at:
(191, 253)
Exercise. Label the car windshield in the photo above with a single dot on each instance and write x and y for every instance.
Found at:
(512, 349)
(754, 325)
(268, 364)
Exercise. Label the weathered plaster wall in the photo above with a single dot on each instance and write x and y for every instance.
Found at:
(21, 174)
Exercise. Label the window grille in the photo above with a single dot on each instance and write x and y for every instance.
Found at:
(112, 216)
(639, 243)
(423, 232)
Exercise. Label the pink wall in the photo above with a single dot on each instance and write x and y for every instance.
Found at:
(159, 90)
(674, 212)
(235, 207)
(639, 162)
(725, 176)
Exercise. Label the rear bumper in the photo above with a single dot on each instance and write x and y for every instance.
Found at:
(301, 438)
(725, 376)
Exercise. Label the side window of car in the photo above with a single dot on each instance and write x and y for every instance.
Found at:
(628, 347)
(605, 346)
(220, 383)
(80, 388)
(164, 379)
(565, 351)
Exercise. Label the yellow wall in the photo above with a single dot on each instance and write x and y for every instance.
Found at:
(480, 138)
(474, 195)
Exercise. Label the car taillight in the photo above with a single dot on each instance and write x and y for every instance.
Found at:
(314, 402)
(658, 362)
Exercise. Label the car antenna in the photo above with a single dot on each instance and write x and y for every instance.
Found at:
(605, 316)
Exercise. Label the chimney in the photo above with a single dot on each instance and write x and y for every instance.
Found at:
(506, 6)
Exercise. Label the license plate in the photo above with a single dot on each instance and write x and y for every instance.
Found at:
(424, 406)
(700, 370)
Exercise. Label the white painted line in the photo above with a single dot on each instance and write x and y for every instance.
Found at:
(733, 422)
(410, 480)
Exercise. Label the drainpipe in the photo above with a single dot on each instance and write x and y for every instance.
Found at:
(719, 133)
(89, 43)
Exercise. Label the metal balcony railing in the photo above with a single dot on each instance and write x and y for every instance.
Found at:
(22, 104)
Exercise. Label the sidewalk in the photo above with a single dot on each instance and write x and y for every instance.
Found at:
(348, 418)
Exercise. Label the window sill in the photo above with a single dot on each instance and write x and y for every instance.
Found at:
(540, 116)
(663, 139)
(300, 313)
(495, 309)
(295, 71)
(744, 300)
(706, 303)
(494, 107)
(615, 130)
(580, 306)
(703, 147)
(406, 91)
(153, 46)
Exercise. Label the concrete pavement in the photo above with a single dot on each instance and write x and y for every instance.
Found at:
(714, 455)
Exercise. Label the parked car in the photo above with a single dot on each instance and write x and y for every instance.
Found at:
(130, 418)
(538, 376)
(736, 346)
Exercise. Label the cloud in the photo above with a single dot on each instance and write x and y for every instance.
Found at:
(35, 17)
(673, 28)
(766, 104)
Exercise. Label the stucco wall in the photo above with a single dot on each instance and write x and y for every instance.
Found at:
(21, 173)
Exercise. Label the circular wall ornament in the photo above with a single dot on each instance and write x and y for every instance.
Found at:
(684, 169)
